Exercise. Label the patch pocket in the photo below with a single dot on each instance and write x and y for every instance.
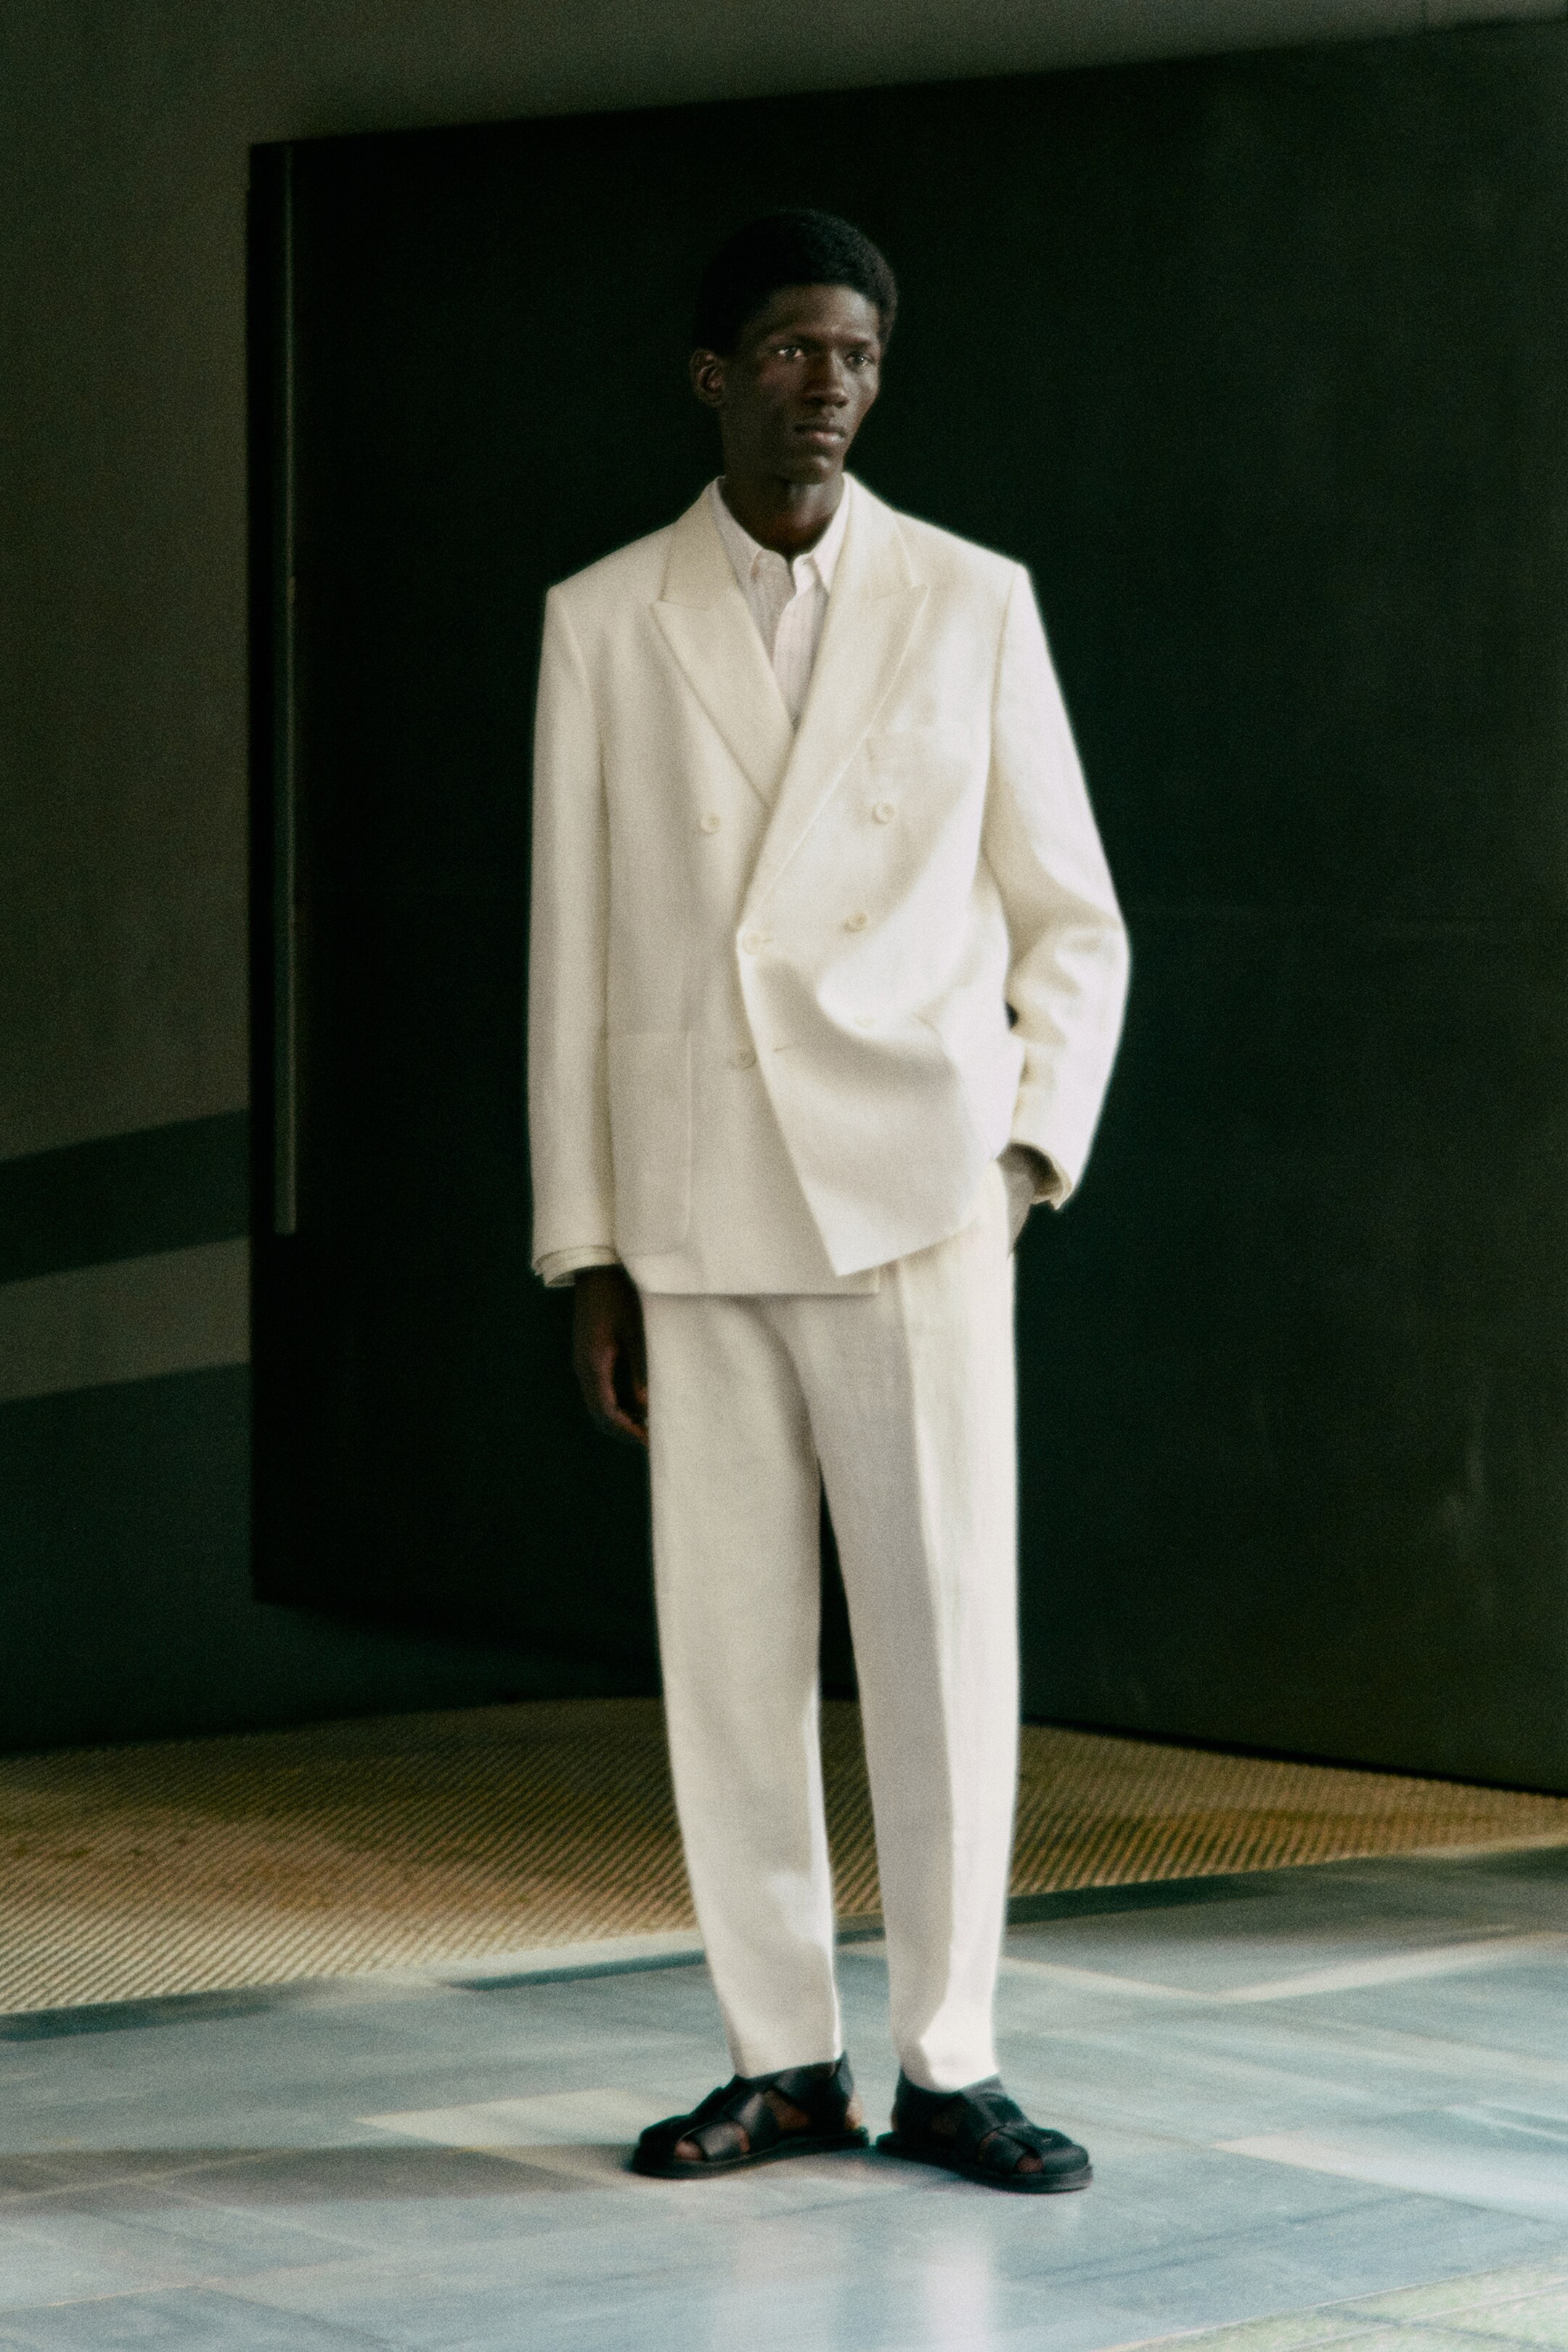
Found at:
(650, 1138)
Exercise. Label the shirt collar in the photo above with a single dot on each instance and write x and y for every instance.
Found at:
(744, 551)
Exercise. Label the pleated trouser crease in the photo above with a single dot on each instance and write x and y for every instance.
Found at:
(903, 1401)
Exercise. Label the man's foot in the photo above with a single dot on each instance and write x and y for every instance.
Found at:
(755, 2120)
(982, 2134)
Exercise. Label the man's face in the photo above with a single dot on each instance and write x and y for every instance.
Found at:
(794, 392)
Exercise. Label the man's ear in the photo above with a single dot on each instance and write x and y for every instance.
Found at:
(707, 378)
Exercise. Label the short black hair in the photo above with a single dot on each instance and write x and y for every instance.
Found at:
(788, 248)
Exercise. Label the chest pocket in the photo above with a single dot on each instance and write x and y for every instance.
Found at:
(920, 759)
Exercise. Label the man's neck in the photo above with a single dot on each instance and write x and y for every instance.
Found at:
(788, 517)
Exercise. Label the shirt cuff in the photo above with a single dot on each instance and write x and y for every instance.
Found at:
(557, 1267)
(1046, 1180)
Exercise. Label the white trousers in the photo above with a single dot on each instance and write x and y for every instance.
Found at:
(903, 1401)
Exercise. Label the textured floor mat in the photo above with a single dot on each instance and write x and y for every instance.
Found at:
(195, 1865)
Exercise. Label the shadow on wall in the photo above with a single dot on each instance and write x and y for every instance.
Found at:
(125, 1587)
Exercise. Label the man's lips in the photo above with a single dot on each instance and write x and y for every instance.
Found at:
(819, 432)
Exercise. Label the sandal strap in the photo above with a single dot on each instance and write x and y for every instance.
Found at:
(738, 2118)
(978, 2126)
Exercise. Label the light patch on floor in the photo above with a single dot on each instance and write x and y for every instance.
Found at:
(1479, 1952)
(584, 2134)
(1506, 2158)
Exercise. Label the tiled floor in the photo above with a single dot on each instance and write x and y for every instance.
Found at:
(1326, 2107)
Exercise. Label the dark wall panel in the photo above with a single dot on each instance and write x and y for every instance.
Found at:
(1260, 364)
(125, 1587)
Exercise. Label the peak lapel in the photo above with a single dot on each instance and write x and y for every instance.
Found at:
(871, 613)
(709, 630)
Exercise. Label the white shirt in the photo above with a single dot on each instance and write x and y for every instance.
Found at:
(788, 600)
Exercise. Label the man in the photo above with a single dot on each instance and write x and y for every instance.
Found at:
(828, 979)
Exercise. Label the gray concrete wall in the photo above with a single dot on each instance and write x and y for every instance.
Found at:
(125, 127)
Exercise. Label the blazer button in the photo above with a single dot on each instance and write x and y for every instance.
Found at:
(865, 1021)
(753, 942)
(856, 922)
(709, 822)
(884, 812)
(744, 1060)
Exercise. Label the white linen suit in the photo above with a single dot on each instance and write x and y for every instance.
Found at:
(771, 1068)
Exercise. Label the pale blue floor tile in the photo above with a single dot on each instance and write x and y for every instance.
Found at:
(150, 2227)
(1512, 2159)
(386, 2196)
(1217, 2082)
(1524, 2009)
(1193, 1958)
(193, 2320)
(228, 2144)
(758, 2284)
(41, 2265)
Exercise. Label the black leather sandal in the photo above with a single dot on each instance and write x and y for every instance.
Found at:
(756, 2120)
(984, 2135)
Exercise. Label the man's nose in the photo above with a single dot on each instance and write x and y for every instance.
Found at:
(828, 382)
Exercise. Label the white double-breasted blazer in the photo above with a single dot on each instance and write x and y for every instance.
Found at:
(792, 991)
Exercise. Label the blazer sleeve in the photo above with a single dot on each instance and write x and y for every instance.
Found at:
(568, 1108)
(1067, 958)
